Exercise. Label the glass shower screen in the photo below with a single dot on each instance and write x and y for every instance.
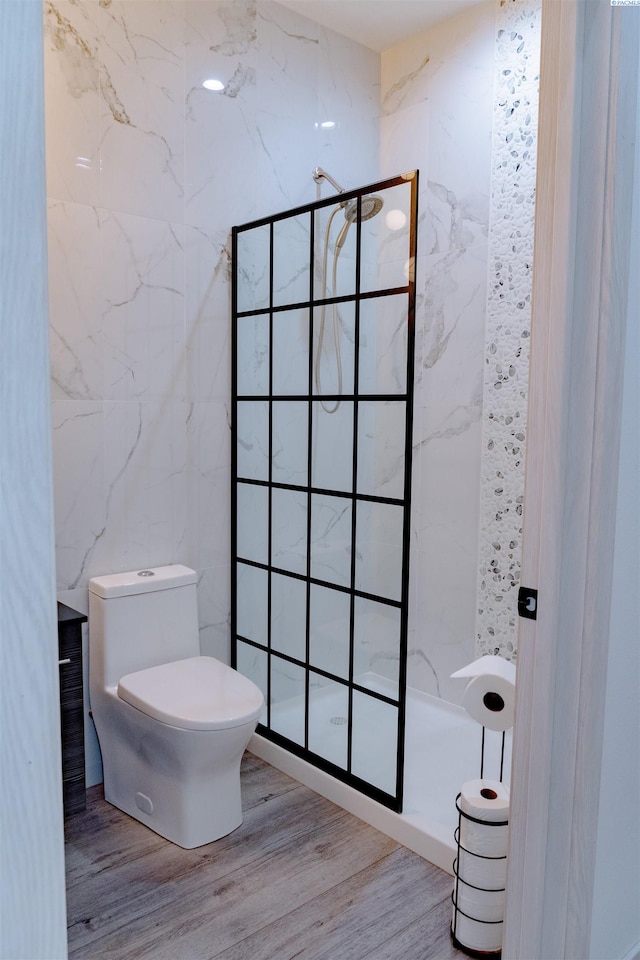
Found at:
(323, 346)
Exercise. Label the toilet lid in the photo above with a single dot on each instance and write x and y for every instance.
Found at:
(200, 693)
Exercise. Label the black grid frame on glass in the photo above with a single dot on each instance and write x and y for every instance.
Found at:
(320, 520)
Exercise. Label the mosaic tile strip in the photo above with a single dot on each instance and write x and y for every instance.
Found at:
(508, 324)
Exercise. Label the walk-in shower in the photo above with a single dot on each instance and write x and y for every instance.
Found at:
(321, 489)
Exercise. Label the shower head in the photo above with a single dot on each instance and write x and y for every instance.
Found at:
(369, 205)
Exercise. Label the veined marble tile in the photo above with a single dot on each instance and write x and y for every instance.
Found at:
(252, 522)
(285, 157)
(220, 126)
(460, 117)
(289, 615)
(452, 350)
(75, 304)
(442, 614)
(145, 484)
(348, 82)
(377, 639)
(252, 603)
(287, 71)
(214, 614)
(253, 440)
(78, 478)
(382, 360)
(221, 185)
(142, 108)
(291, 259)
(208, 315)
(400, 153)
(331, 539)
(334, 149)
(381, 448)
(332, 446)
(289, 530)
(289, 48)
(323, 77)
(453, 220)
(289, 460)
(72, 71)
(329, 613)
(379, 549)
(143, 311)
(405, 74)
(209, 456)
(445, 503)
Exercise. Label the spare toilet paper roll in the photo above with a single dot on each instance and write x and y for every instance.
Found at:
(486, 801)
(477, 917)
(487, 873)
(485, 937)
(489, 697)
(483, 907)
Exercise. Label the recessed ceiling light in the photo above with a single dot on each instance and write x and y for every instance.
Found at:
(328, 123)
(212, 84)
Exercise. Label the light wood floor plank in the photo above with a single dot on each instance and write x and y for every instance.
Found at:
(299, 878)
(352, 919)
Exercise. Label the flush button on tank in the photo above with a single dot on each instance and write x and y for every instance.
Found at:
(146, 573)
(144, 803)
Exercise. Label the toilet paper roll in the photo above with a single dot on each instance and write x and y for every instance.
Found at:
(489, 697)
(481, 872)
(486, 801)
(486, 937)
(484, 906)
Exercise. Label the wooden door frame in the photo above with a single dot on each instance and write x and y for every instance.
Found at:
(589, 80)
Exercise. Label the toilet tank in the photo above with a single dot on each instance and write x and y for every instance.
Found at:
(141, 619)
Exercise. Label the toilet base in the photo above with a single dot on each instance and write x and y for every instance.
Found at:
(182, 784)
(188, 820)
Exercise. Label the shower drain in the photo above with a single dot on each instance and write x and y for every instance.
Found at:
(339, 721)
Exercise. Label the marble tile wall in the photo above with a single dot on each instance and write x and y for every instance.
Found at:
(437, 103)
(460, 103)
(147, 172)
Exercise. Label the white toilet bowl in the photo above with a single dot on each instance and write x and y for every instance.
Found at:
(172, 732)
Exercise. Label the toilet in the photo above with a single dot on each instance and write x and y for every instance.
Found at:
(172, 725)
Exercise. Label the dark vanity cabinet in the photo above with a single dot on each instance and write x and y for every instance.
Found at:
(71, 707)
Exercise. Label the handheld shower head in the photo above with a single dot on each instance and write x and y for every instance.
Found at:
(370, 205)
(367, 206)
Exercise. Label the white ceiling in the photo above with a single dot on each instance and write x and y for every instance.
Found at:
(378, 24)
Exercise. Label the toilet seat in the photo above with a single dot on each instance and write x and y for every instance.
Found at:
(199, 693)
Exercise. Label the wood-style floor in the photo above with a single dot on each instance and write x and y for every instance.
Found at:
(300, 878)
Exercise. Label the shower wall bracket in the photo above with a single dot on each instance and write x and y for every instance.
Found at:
(528, 603)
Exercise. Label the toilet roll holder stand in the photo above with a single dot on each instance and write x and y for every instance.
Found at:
(457, 911)
(492, 703)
